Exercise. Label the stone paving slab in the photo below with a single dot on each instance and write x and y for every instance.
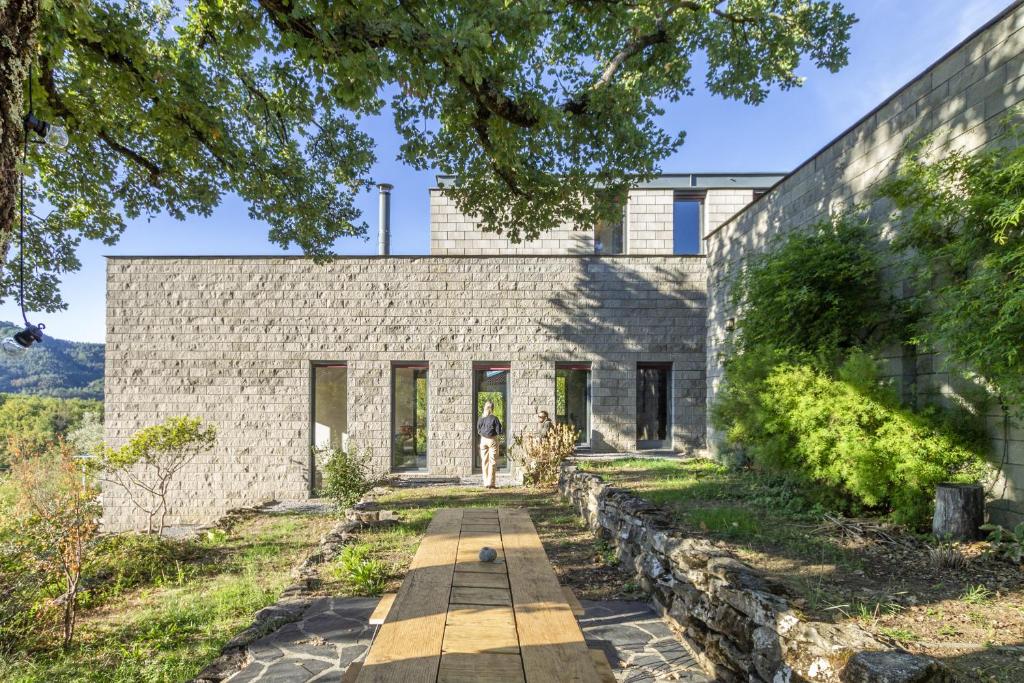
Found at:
(334, 632)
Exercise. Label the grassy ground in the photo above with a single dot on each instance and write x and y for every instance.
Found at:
(161, 610)
(588, 567)
(973, 618)
(166, 623)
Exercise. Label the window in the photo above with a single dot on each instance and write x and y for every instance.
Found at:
(653, 383)
(409, 416)
(687, 220)
(572, 398)
(490, 383)
(330, 413)
(330, 406)
(610, 236)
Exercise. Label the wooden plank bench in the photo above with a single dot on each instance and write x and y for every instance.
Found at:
(456, 619)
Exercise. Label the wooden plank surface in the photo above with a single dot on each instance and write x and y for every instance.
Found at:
(380, 612)
(407, 648)
(550, 640)
(481, 667)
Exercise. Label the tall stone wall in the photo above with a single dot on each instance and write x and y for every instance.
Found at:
(233, 340)
(649, 226)
(960, 101)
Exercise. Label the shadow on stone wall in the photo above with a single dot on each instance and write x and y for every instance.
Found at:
(961, 102)
(626, 310)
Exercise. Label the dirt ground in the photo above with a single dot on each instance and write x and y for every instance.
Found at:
(860, 570)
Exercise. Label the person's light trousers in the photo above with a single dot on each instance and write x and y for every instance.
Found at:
(489, 459)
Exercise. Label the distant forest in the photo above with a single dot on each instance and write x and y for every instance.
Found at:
(56, 367)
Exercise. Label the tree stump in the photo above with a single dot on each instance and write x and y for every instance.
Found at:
(959, 511)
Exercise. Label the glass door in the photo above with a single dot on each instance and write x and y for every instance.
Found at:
(572, 398)
(409, 416)
(652, 406)
(490, 383)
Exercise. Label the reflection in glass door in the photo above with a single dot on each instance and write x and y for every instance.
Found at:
(490, 383)
(409, 416)
(572, 398)
(652, 406)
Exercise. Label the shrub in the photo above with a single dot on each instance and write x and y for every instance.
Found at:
(347, 476)
(848, 432)
(54, 520)
(807, 293)
(146, 465)
(541, 457)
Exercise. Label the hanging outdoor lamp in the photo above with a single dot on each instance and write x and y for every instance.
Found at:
(53, 136)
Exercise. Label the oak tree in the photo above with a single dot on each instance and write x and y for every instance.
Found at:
(545, 111)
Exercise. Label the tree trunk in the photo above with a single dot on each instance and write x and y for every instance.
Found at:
(18, 21)
(959, 511)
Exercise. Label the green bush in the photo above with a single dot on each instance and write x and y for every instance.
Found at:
(807, 292)
(802, 393)
(847, 431)
(347, 476)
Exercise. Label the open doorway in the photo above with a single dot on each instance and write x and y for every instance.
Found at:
(653, 386)
(490, 383)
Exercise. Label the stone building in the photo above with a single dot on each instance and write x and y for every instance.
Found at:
(618, 328)
(394, 355)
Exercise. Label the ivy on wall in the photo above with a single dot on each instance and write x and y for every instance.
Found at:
(959, 219)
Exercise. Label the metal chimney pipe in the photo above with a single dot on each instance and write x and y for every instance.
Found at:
(384, 220)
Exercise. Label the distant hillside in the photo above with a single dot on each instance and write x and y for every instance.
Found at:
(57, 367)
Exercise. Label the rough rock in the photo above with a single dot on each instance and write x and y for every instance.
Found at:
(737, 621)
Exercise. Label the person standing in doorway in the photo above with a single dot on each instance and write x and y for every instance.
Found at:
(490, 430)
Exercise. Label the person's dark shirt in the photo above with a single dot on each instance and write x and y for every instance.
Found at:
(489, 426)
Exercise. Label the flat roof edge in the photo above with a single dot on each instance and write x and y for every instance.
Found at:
(402, 257)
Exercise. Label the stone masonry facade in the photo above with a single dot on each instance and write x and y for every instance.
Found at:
(234, 340)
(961, 101)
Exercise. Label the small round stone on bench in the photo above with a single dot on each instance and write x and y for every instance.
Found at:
(488, 554)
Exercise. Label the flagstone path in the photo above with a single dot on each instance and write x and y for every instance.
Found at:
(334, 632)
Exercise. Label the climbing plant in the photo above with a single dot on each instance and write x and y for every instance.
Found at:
(959, 217)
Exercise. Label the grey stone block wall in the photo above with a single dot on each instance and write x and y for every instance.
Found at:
(960, 101)
(233, 340)
(648, 226)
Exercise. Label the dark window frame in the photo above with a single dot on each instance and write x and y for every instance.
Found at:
(398, 365)
(587, 441)
(313, 365)
(699, 196)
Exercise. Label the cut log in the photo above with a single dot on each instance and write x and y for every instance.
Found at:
(959, 511)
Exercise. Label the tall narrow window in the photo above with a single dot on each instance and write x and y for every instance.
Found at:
(409, 416)
(330, 414)
(687, 224)
(490, 383)
(330, 406)
(610, 236)
(572, 398)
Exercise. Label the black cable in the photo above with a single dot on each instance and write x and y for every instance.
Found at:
(21, 229)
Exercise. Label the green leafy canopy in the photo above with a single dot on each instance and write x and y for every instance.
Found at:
(546, 112)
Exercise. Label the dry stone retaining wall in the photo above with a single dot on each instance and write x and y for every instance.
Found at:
(737, 622)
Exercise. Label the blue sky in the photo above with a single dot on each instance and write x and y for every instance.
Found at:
(892, 43)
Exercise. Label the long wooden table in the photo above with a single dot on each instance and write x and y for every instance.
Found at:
(458, 619)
